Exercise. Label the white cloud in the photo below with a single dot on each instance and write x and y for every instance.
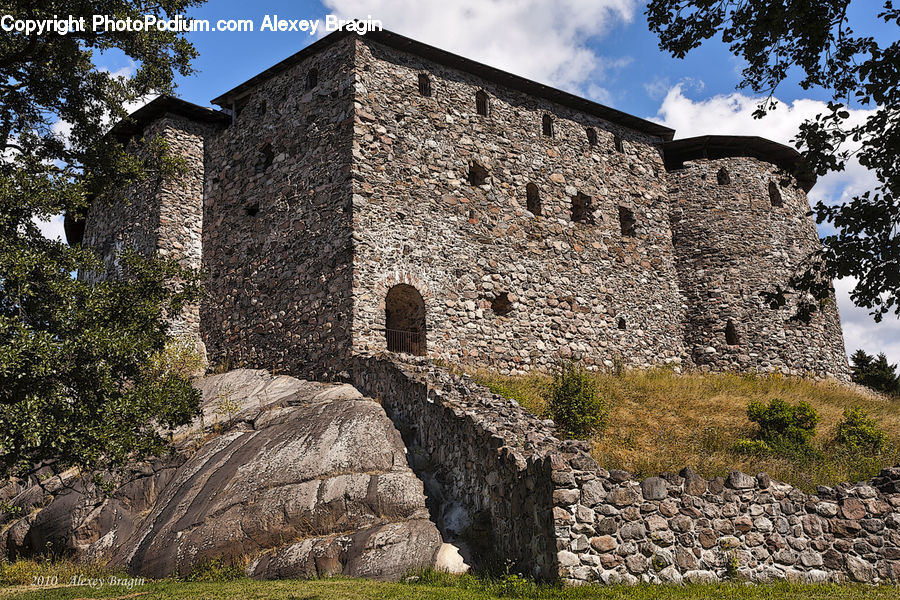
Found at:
(52, 228)
(63, 128)
(860, 331)
(545, 41)
(731, 114)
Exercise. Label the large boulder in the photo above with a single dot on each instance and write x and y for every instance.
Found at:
(282, 476)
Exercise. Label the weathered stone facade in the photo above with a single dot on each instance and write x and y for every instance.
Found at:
(546, 227)
(568, 283)
(278, 235)
(161, 214)
(733, 240)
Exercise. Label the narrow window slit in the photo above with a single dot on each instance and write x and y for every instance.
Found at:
(547, 125)
(502, 304)
(582, 209)
(424, 85)
(477, 174)
(731, 334)
(533, 199)
(481, 103)
(775, 194)
(626, 221)
(312, 78)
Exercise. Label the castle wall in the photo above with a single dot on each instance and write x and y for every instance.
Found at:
(277, 241)
(459, 439)
(732, 244)
(683, 528)
(161, 216)
(419, 221)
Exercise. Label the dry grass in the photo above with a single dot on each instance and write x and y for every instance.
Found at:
(660, 421)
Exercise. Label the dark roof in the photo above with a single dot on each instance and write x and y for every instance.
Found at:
(455, 61)
(135, 122)
(676, 152)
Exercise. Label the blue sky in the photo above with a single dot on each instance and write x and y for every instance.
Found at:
(601, 49)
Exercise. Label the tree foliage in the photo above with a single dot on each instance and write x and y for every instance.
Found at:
(813, 39)
(875, 372)
(77, 382)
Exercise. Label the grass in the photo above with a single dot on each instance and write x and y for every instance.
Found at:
(660, 421)
(27, 572)
(437, 586)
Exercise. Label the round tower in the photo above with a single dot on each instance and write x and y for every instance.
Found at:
(741, 227)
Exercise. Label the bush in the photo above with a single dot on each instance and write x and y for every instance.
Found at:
(755, 447)
(180, 358)
(575, 403)
(215, 570)
(857, 431)
(784, 429)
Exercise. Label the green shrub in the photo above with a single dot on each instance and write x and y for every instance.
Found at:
(784, 429)
(755, 447)
(575, 403)
(215, 570)
(857, 431)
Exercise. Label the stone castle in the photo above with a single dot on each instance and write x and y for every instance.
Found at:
(373, 193)
(371, 204)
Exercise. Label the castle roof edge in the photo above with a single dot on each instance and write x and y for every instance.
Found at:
(676, 152)
(449, 59)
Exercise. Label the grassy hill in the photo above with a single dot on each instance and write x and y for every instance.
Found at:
(662, 421)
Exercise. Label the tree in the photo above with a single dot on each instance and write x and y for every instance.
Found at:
(813, 38)
(875, 372)
(81, 378)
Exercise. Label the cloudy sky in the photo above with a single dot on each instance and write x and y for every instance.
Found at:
(600, 49)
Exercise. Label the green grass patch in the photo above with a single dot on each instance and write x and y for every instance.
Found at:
(442, 587)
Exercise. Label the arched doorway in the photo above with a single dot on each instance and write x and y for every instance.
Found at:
(404, 322)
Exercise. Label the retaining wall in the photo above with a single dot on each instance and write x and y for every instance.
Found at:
(553, 512)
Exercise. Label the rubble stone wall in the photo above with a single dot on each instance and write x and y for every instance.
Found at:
(277, 241)
(163, 216)
(486, 455)
(572, 289)
(732, 243)
(555, 513)
(677, 528)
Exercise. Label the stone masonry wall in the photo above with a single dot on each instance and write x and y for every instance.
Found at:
(480, 454)
(159, 216)
(732, 244)
(574, 289)
(684, 528)
(277, 241)
(555, 513)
